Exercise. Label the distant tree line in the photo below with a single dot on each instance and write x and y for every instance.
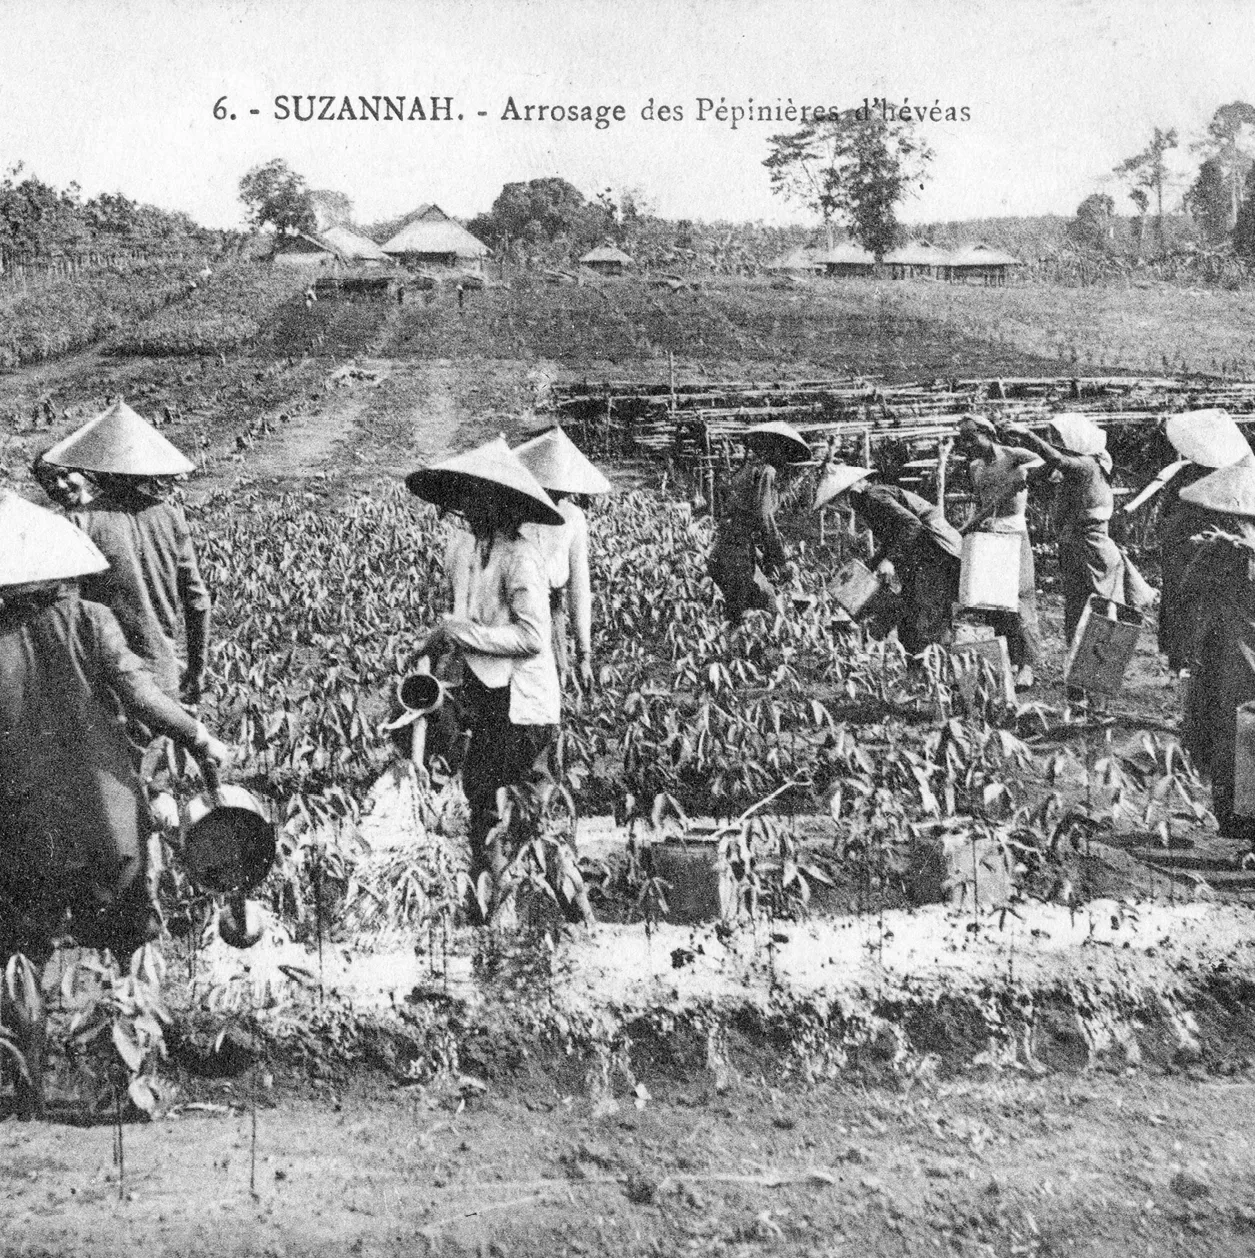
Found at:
(39, 221)
(1217, 205)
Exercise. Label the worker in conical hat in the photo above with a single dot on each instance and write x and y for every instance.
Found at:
(913, 536)
(1219, 584)
(749, 553)
(1202, 442)
(66, 490)
(501, 628)
(557, 463)
(999, 476)
(1089, 561)
(153, 580)
(74, 821)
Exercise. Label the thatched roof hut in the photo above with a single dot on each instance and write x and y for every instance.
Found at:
(606, 260)
(979, 264)
(434, 239)
(355, 248)
(917, 260)
(846, 258)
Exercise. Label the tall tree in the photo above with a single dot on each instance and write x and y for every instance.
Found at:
(1209, 201)
(1230, 140)
(1244, 228)
(277, 195)
(1148, 172)
(1093, 225)
(331, 209)
(853, 168)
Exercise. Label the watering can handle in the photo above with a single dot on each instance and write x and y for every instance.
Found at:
(213, 779)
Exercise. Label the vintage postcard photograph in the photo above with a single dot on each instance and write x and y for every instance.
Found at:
(627, 628)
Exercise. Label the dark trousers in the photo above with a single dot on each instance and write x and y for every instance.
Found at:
(500, 754)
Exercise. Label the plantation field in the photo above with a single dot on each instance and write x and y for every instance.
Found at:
(325, 575)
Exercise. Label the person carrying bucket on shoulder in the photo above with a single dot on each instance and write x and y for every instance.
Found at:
(999, 476)
(563, 471)
(74, 819)
(1219, 585)
(1089, 561)
(912, 534)
(501, 629)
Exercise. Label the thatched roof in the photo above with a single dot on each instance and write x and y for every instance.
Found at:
(845, 254)
(917, 253)
(607, 253)
(300, 242)
(981, 255)
(435, 232)
(354, 247)
(803, 258)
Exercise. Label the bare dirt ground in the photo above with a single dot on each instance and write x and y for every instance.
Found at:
(981, 1165)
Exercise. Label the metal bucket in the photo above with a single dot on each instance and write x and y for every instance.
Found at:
(995, 651)
(1104, 642)
(989, 578)
(420, 693)
(854, 586)
(228, 839)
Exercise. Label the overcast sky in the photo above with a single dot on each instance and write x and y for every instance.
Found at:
(119, 95)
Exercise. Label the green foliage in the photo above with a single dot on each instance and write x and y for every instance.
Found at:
(1208, 200)
(852, 168)
(276, 195)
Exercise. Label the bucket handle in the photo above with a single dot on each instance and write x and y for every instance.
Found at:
(213, 781)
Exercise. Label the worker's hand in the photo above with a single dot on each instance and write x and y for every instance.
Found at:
(585, 666)
(436, 644)
(208, 748)
(191, 687)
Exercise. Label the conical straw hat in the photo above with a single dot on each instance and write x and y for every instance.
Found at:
(780, 439)
(1229, 489)
(1209, 438)
(559, 464)
(39, 545)
(837, 478)
(119, 441)
(457, 482)
(1078, 434)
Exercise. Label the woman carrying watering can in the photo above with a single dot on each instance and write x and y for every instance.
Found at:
(501, 628)
(74, 821)
(1219, 584)
(556, 462)
(913, 535)
(749, 551)
(1089, 561)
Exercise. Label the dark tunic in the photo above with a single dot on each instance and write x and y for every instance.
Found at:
(73, 819)
(1179, 523)
(1089, 561)
(925, 551)
(1220, 584)
(748, 549)
(151, 581)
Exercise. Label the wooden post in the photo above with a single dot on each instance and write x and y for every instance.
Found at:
(609, 414)
(708, 459)
(944, 446)
(867, 462)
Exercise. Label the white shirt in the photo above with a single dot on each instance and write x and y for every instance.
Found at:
(565, 551)
(501, 621)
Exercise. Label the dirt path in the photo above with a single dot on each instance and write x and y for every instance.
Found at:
(1002, 1165)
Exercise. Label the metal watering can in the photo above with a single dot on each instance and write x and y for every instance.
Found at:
(854, 586)
(1104, 642)
(228, 838)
